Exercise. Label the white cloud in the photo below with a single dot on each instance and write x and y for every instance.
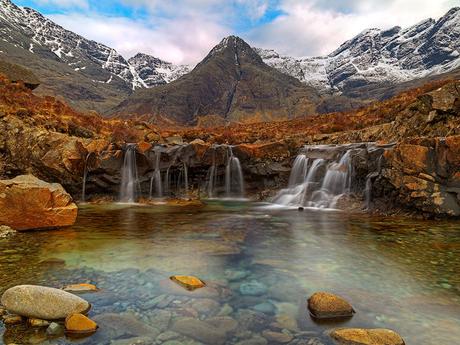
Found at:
(316, 27)
(178, 41)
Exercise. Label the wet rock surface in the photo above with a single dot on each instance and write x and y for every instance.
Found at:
(324, 305)
(357, 336)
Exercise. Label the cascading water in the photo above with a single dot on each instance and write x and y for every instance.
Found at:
(129, 187)
(155, 180)
(212, 177)
(322, 174)
(234, 182)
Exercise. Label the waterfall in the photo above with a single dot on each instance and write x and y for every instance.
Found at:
(234, 182)
(130, 187)
(212, 177)
(85, 176)
(322, 174)
(156, 177)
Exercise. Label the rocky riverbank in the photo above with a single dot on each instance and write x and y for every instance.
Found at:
(419, 175)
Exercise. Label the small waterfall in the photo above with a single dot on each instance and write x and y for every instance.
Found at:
(85, 176)
(212, 177)
(234, 182)
(322, 174)
(130, 187)
(156, 178)
(186, 178)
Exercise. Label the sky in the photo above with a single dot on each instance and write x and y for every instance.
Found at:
(183, 31)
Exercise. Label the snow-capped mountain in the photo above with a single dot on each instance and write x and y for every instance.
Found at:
(380, 56)
(80, 53)
(152, 71)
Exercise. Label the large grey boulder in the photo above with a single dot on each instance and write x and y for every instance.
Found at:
(42, 302)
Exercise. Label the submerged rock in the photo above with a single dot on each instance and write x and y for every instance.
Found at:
(277, 337)
(55, 329)
(38, 322)
(324, 305)
(12, 319)
(79, 324)
(80, 288)
(29, 203)
(253, 288)
(189, 282)
(200, 330)
(42, 302)
(358, 336)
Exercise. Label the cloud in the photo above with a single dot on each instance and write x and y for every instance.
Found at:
(173, 40)
(317, 27)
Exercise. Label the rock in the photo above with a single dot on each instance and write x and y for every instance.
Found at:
(168, 335)
(199, 330)
(253, 288)
(48, 205)
(55, 329)
(358, 336)
(12, 319)
(265, 307)
(232, 275)
(79, 324)
(323, 305)
(143, 147)
(42, 302)
(38, 322)
(189, 282)
(6, 231)
(124, 325)
(175, 140)
(256, 340)
(205, 305)
(81, 288)
(223, 323)
(133, 341)
(277, 337)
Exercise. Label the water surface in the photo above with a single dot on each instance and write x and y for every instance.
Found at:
(398, 273)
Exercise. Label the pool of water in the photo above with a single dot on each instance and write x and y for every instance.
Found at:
(261, 264)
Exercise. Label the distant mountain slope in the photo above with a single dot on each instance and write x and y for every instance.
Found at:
(88, 74)
(233, 83)
(379, 57)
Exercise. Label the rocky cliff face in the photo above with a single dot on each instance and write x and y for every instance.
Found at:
(231, 83)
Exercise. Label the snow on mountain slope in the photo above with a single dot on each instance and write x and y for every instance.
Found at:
(380, 56)
(78, 52)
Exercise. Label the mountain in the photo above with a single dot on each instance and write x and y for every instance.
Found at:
(232, 83)
(88, 74)
(379, 57)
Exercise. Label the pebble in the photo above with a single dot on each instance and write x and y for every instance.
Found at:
(277, 337)
(38, 322)
(79, 324)
(253, 288)
(55, 329)
(12, 319)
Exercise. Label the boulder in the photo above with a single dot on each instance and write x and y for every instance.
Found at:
(79, 324)
(358, 336)
(29, 203)
(324, 305)
(42, 302)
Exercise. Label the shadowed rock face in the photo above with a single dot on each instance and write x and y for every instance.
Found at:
(233, 83)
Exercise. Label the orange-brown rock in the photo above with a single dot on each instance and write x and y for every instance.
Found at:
(143, 147)
(324, 305)
(29, 203)
(358, 336)
(80, 288)
(189, 282)
(79, 324)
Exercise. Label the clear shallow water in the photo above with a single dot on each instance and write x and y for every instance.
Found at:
(398, 273)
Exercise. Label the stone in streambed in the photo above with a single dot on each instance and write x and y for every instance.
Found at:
(188, 282)
(253, 288)
(55, 329)
(200, 330)
(324, 305)
(79, 324)
(12, 319)
(6, 231)
(42, 302)
(38, 322)
(277, 337)
(358, 336)
(80, 288)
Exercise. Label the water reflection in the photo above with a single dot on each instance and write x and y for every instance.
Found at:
(398, 273)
